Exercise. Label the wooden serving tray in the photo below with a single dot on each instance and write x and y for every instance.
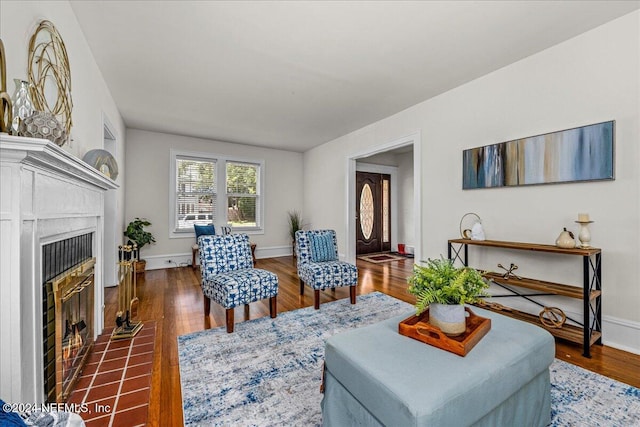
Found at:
(418, 328)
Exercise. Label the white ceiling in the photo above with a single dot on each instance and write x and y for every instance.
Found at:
(294, 75)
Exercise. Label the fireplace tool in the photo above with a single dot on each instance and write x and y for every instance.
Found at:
(133, 305)
(126, 325)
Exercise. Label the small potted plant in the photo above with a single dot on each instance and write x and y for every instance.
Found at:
(295, 223)
(445, 289)
(136, 233)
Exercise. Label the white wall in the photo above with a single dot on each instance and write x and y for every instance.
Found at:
(591, 78)
(385, 159)
(406, 232)
(148, 192)
(91, 97)
(92, 100)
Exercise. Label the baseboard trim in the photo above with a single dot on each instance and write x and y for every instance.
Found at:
(156, 262)
(618, 333)
(273, 251)
(621, 334)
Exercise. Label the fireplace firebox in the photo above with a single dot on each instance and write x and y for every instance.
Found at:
(68, 293)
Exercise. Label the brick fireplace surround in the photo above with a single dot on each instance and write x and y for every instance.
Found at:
(46, 195)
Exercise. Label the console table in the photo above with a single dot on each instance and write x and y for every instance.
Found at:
(590, 330)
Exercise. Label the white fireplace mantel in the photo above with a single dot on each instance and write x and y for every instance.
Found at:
(46, 194)
(43, 154)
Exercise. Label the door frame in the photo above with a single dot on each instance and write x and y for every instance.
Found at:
(413, 139)
(393, 202)
(111, 236)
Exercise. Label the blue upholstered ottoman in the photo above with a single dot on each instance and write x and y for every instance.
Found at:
(375, 376)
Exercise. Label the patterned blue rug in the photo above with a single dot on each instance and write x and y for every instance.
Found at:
(268, 372)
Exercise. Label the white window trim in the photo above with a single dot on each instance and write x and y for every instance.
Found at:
(259, 195)
(221, 207)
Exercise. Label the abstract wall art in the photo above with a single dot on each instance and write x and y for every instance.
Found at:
(580, 154)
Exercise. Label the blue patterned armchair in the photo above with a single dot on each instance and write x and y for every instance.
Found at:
(319, 266)
(228, 276)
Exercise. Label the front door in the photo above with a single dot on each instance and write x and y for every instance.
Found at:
(373, 212)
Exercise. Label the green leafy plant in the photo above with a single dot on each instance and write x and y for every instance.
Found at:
(440, 282)
(136, 233)
(295, 223)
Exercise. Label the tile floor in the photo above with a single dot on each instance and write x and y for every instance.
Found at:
(115, 383)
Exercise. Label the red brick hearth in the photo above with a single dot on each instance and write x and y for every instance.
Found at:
(115, 383)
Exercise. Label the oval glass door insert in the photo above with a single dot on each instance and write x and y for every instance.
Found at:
(366, 211)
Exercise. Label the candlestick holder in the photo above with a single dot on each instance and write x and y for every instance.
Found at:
(585, 235)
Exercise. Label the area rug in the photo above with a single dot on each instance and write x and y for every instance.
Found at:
(380, 258)
(269, 371)
(584, 398)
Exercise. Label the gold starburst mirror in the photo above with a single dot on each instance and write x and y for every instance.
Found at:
(50, 75)
(5, 99)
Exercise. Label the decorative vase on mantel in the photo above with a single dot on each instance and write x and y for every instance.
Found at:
(22, 104)
(450, 318)
(42, 124)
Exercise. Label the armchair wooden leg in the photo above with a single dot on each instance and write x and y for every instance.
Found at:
(316, 299)
(207, 305)
(246, 312)
(352, 294)
(229, 313)
(301, 287)
(273, 307)
(194, 253)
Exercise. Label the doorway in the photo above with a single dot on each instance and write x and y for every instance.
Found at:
(373, 212)
(405, 212)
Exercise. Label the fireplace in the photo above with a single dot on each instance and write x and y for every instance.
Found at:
(47, 196)
(68, 294)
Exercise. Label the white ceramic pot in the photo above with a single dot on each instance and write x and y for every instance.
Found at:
(565, 240)
(451, 319)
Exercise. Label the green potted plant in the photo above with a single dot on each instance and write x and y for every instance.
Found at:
(136, 233)
(295, 223)
(445, 289)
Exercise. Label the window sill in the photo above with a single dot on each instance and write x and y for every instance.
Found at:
(250, 231)
(190, 234)
(178, 234)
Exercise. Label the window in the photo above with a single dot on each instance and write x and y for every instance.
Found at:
(195, 192)
(199, 197)
(243, 200)
(385, 211)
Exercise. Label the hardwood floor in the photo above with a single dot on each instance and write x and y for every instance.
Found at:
(172, 297)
